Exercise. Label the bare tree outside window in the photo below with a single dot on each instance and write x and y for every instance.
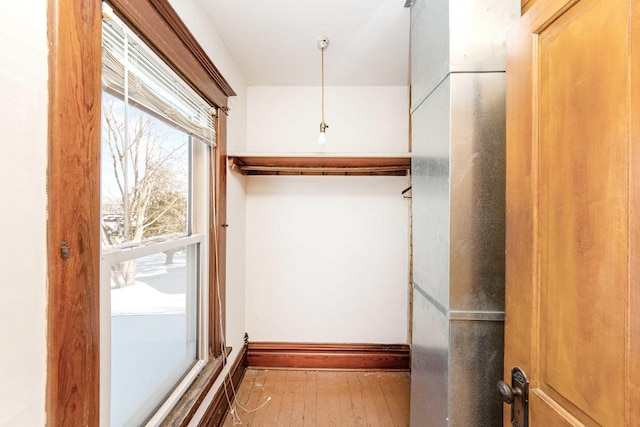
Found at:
(146, 181)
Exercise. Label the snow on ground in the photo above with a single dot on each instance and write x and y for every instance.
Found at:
(144, 299)
(159, 288)
(153, 340)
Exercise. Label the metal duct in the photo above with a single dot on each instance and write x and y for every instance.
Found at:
(458, 190)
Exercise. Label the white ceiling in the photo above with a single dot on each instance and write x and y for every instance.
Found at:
(274, 42)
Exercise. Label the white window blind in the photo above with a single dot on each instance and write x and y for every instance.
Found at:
(132, 70)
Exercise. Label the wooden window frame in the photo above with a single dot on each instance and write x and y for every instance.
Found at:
(73, 178)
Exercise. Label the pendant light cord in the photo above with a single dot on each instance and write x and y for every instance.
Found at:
(322, 65)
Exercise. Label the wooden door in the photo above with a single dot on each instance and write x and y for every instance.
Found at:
(573, 211)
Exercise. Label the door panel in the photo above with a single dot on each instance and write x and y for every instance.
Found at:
(539, 405)
(568, 210)
(583, 130)
(633, 352)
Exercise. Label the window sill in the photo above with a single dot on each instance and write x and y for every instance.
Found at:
(191, 400)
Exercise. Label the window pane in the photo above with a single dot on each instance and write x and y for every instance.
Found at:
(153, 331)
(145, 176)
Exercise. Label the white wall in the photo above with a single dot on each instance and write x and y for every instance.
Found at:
(23, 269)
(370, 119)
(327, 257)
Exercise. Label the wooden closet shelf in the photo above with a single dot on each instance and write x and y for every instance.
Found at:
(333, 164)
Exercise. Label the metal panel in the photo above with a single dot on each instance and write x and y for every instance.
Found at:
(430, 192)
(478, 33)
(460, 36)
(475, 368)
(429, 47)
(458, 170)
(429, 365)
(477, 191)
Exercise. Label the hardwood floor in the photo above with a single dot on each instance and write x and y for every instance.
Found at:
(321, 398)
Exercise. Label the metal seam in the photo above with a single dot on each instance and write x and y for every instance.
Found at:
(423, 99)
(462, 315)
(431, 299)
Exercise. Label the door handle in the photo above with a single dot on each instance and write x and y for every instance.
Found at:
(516, 395)
(507, 393)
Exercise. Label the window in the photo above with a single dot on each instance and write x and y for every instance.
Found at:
(156, 142)
(74, 221)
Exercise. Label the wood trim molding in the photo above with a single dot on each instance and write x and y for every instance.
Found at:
(217, 247)
(192, 45)
(157, 23)
(219, 406)
(73, 313)
(525, 5)
(328, 356)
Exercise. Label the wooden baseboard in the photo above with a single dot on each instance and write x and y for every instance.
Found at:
(217, 410)
(393, 357)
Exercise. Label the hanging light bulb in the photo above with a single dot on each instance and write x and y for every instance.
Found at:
(323, 43)
(322, 138)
